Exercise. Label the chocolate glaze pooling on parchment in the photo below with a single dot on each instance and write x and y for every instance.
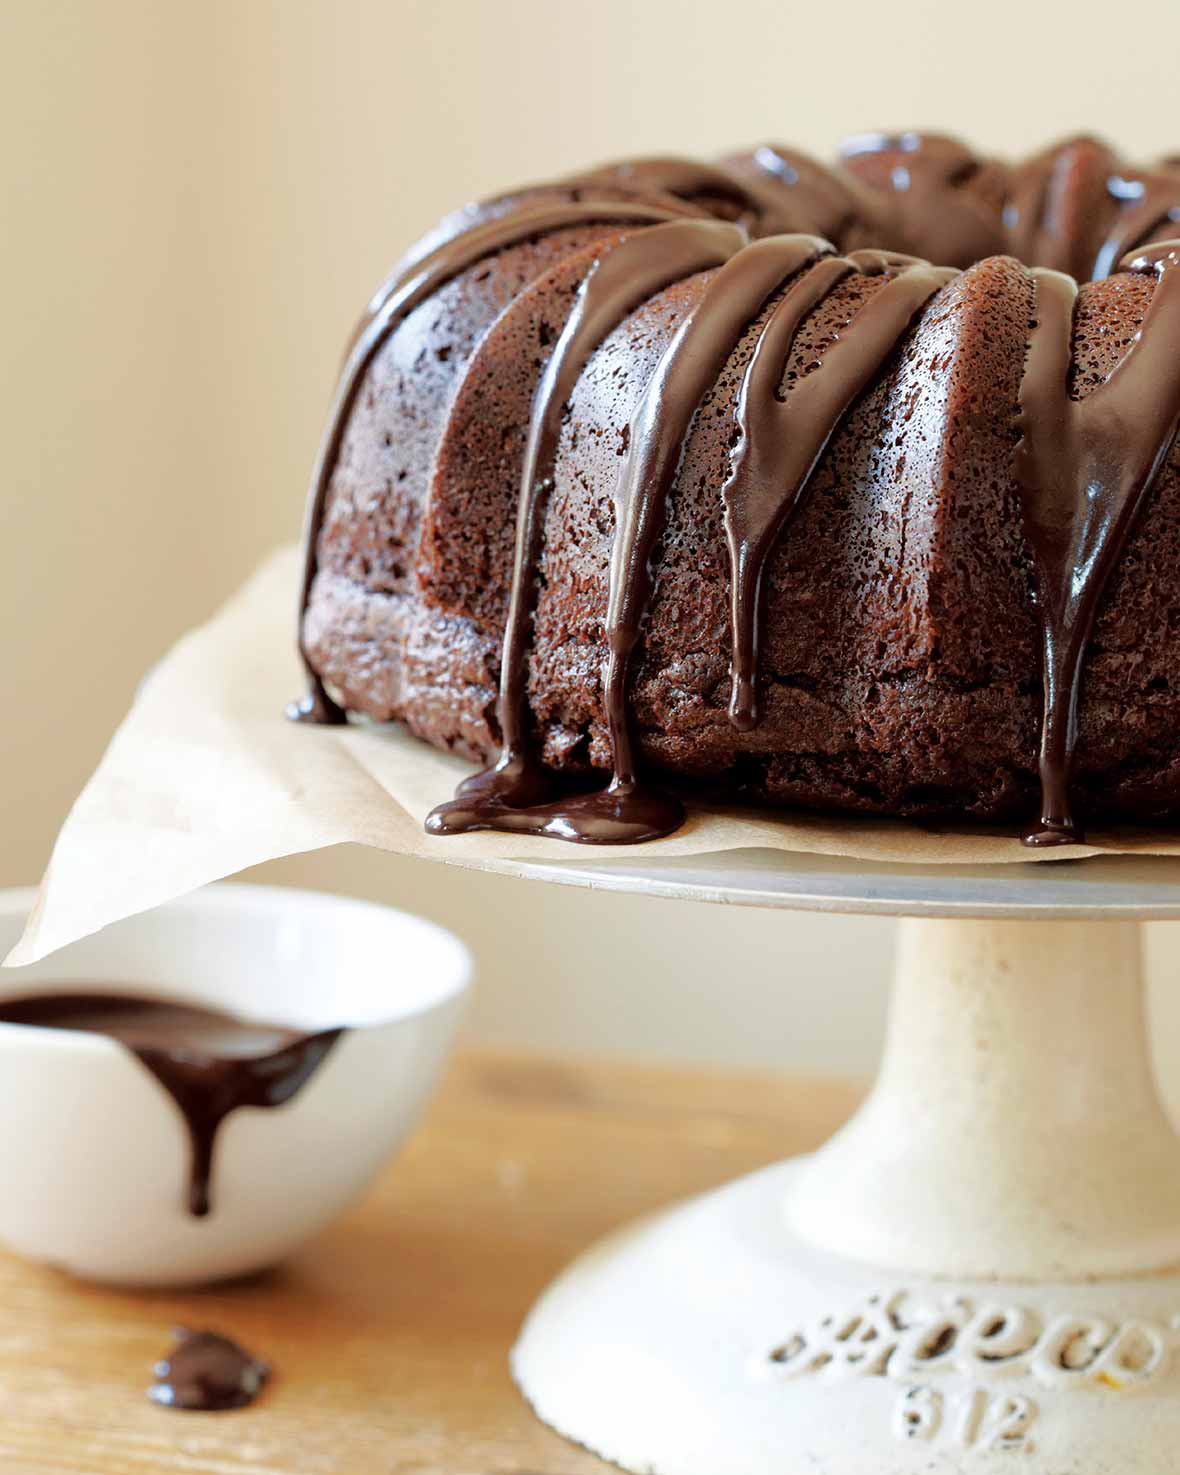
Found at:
(209, 1063)
(207, 1373)
(1082, 467)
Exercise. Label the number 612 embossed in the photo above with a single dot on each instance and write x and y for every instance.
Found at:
(976, 1420)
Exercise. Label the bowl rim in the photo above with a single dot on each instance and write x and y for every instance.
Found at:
(452, 966)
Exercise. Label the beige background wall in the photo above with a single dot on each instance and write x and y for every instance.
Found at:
(197, 199)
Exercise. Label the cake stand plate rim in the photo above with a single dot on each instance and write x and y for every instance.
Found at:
(1113, 887)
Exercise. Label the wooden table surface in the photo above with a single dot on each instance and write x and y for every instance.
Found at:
(389, 1335)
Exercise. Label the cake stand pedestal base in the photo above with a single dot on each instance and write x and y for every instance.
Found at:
(976, 1274)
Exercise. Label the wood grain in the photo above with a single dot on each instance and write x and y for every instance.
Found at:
(389, 1335)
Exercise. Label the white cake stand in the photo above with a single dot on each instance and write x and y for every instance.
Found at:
(979, 1273)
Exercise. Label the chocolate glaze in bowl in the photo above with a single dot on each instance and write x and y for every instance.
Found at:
(210, 1063)
(97, 1163)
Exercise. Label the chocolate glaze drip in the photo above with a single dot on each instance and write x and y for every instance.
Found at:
(784, 435)
(1074, 207)
(628, 810)
(421, 280)
(926, 208)
(519, 793)
(1077, 208)
(598, 192)
(1150, 208)
(817, 200)
(1054, 213)
(659, 430)
(209, 1063)
(778, 450)
(207, 1373)
(1083, 470)
(762, 211)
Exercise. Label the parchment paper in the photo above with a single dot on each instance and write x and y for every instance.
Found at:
(206, 777)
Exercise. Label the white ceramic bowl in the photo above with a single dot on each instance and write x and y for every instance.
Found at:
(94, 1157)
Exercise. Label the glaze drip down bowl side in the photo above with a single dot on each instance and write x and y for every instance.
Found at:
(96, 1157)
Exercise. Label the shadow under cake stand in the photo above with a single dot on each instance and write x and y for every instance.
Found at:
(979, 1273)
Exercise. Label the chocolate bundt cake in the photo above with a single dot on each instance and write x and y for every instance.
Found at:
(702, 475)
